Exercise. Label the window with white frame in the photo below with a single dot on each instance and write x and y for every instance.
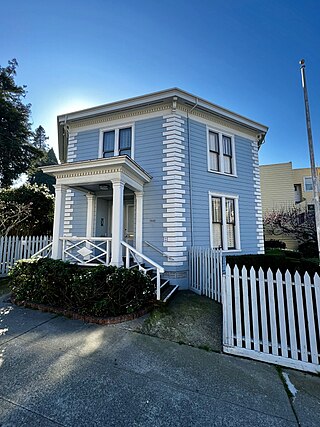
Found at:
(308, 183)
(221, 153)
(224, 222)
(117, 142)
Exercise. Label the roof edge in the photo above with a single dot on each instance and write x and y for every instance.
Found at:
(159, 96)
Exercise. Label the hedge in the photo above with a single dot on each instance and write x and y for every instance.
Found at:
(97, 291)
(280, 261)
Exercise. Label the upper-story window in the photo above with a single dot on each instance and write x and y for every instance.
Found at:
(117, 142)
(224, 212)
(308, 183)
(221, 153)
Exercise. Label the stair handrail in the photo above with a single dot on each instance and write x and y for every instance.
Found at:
(155, 248)
(138, 254)
(42, 250)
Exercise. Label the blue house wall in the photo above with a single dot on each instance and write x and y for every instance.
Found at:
(148, 154)
(203, 181)
(151, 143)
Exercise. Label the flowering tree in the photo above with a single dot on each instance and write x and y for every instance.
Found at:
(294, 222)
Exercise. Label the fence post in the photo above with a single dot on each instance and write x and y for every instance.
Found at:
(227, 308)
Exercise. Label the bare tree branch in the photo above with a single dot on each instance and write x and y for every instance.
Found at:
(12, 214)
(294, 222)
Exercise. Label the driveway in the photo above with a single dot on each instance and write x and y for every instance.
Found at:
(60, 372)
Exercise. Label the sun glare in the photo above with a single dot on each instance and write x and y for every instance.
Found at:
(74, 105)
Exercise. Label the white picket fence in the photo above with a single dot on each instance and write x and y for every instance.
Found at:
(271, 317)
(13, 248)
(205, 272)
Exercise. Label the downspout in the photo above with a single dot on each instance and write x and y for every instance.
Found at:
(189, 164)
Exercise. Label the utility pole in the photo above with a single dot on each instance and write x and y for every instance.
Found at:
(315, 182)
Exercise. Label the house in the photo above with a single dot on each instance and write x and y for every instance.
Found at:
(283, 187)
(154, 175)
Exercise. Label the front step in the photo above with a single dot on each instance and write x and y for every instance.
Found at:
(166, 290)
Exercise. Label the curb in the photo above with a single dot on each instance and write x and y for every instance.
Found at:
(85, 318)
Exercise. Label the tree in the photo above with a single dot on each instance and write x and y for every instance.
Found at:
(294, 222)
(26, 210)
(36, 176)
(16, 152)
(11, 215)
(40, 138)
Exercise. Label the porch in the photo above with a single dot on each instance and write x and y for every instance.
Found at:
(113, 204)
(113, 212)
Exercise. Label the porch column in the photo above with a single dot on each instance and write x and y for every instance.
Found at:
(117, 222)
(91, 203)
(58, 223)
(139, 219)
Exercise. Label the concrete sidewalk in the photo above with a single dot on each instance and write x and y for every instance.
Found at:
(56, 371)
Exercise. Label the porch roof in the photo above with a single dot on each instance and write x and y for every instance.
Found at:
(100, 171)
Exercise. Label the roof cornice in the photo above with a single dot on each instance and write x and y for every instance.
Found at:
(162, 97)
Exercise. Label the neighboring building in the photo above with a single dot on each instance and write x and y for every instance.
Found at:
(283, 187)
(161, 172)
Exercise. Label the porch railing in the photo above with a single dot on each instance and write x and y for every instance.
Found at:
(140, 259)
(87, 250)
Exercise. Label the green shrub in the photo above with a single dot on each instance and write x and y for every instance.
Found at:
(41, 280)
(98, 291)
(308, 249)
(272, 244)
(274, 262)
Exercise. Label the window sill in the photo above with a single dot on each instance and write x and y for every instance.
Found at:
(223, 173)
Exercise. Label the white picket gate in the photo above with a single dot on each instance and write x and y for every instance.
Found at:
(13, 248)
(205, 272)
(272, 318)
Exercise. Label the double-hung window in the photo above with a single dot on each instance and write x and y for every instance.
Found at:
(117, 142)
(221, 153)
(224, 222)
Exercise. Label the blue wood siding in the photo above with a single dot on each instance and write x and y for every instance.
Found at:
(79, 222)
(87, 145)
(203, 181)
(149, 154)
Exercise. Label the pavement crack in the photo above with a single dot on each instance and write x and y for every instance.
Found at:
(289, 392)
(32, 412)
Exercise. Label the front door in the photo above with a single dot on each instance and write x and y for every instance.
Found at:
(129, 224)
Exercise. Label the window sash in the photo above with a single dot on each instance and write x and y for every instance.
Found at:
(224, 222)
(108, 143)
(230, 223)
(227, 145)
(125, 141)
(216, 222)
(227, 154)
(214, 151)
(227, 162)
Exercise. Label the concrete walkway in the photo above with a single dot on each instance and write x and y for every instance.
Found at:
(59, 372)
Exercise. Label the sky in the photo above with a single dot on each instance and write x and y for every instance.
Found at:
(242, 55)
